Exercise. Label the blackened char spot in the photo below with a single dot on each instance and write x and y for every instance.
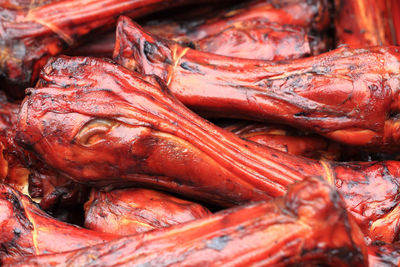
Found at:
(194, 69)
(301, 114)
(188, 44)
(149, 48)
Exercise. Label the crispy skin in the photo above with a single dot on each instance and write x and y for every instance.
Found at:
(371, 192)
(348, 95)
(382, 254)
(111, 126)
(31, 31)
(308, 226)
(267, 30)
(28, 175)
(161, 136)
(286, 139)
(27, 230)
(135, 210)
(363, 23)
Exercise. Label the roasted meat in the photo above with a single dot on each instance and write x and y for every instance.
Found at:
(134, 210)
(309, 226)
(266, 29)
(363, 23)
(394, 7)
(101, 124)
(348, 95)
(31, 31)
(27, 230)
(382, 254)
(286, 139)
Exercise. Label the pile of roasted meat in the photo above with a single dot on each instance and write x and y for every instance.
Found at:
(200, 133)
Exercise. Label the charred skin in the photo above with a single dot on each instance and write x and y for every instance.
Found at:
(11, 169)
(130, 211)
(31, 31)
(101, 124)
(286, 139)
(267, 30)
(371, 192)
(308, 226)
(348, 95)
(370, 23)
(27, 174)
(68, 122)
(27, 230)
(383, 254)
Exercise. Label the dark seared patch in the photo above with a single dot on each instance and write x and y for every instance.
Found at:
(218, 243)
(19, 211)
(301, 114)
(149, 48)
(189, 44)
(17, 232)
(348, 31)
(193, 68)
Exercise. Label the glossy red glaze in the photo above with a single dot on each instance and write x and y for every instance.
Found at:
(101, 124)
(309, 226)
(287, 139)
(135, 210)
(31, 31)
(267, 30)
(348, 95)
(68, 122)
(27, 230)
(382, 254)
(363, 23)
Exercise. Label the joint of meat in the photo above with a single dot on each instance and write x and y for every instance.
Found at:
(135, 210)
(348, 95)
(27, 230)
(112, 126)
(308, 226)
(32, 31)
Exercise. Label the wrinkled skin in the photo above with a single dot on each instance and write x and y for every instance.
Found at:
(286, 139)
(63, 125)
(101, 124)
(370, 23)
(267, 30)
(308, 226)
(31, 31)
(11, 170)
(382, 254)
(348, 95)
(134, 210)
(26, 230)
(16, 168)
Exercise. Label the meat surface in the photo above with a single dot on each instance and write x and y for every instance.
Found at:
(383, 254)
(286, 139)
(27, 230)
(135, 210)
(309, 226)
(101, 124)
(266, 29)
(370, 23)
(31, 31)
(348, 95)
